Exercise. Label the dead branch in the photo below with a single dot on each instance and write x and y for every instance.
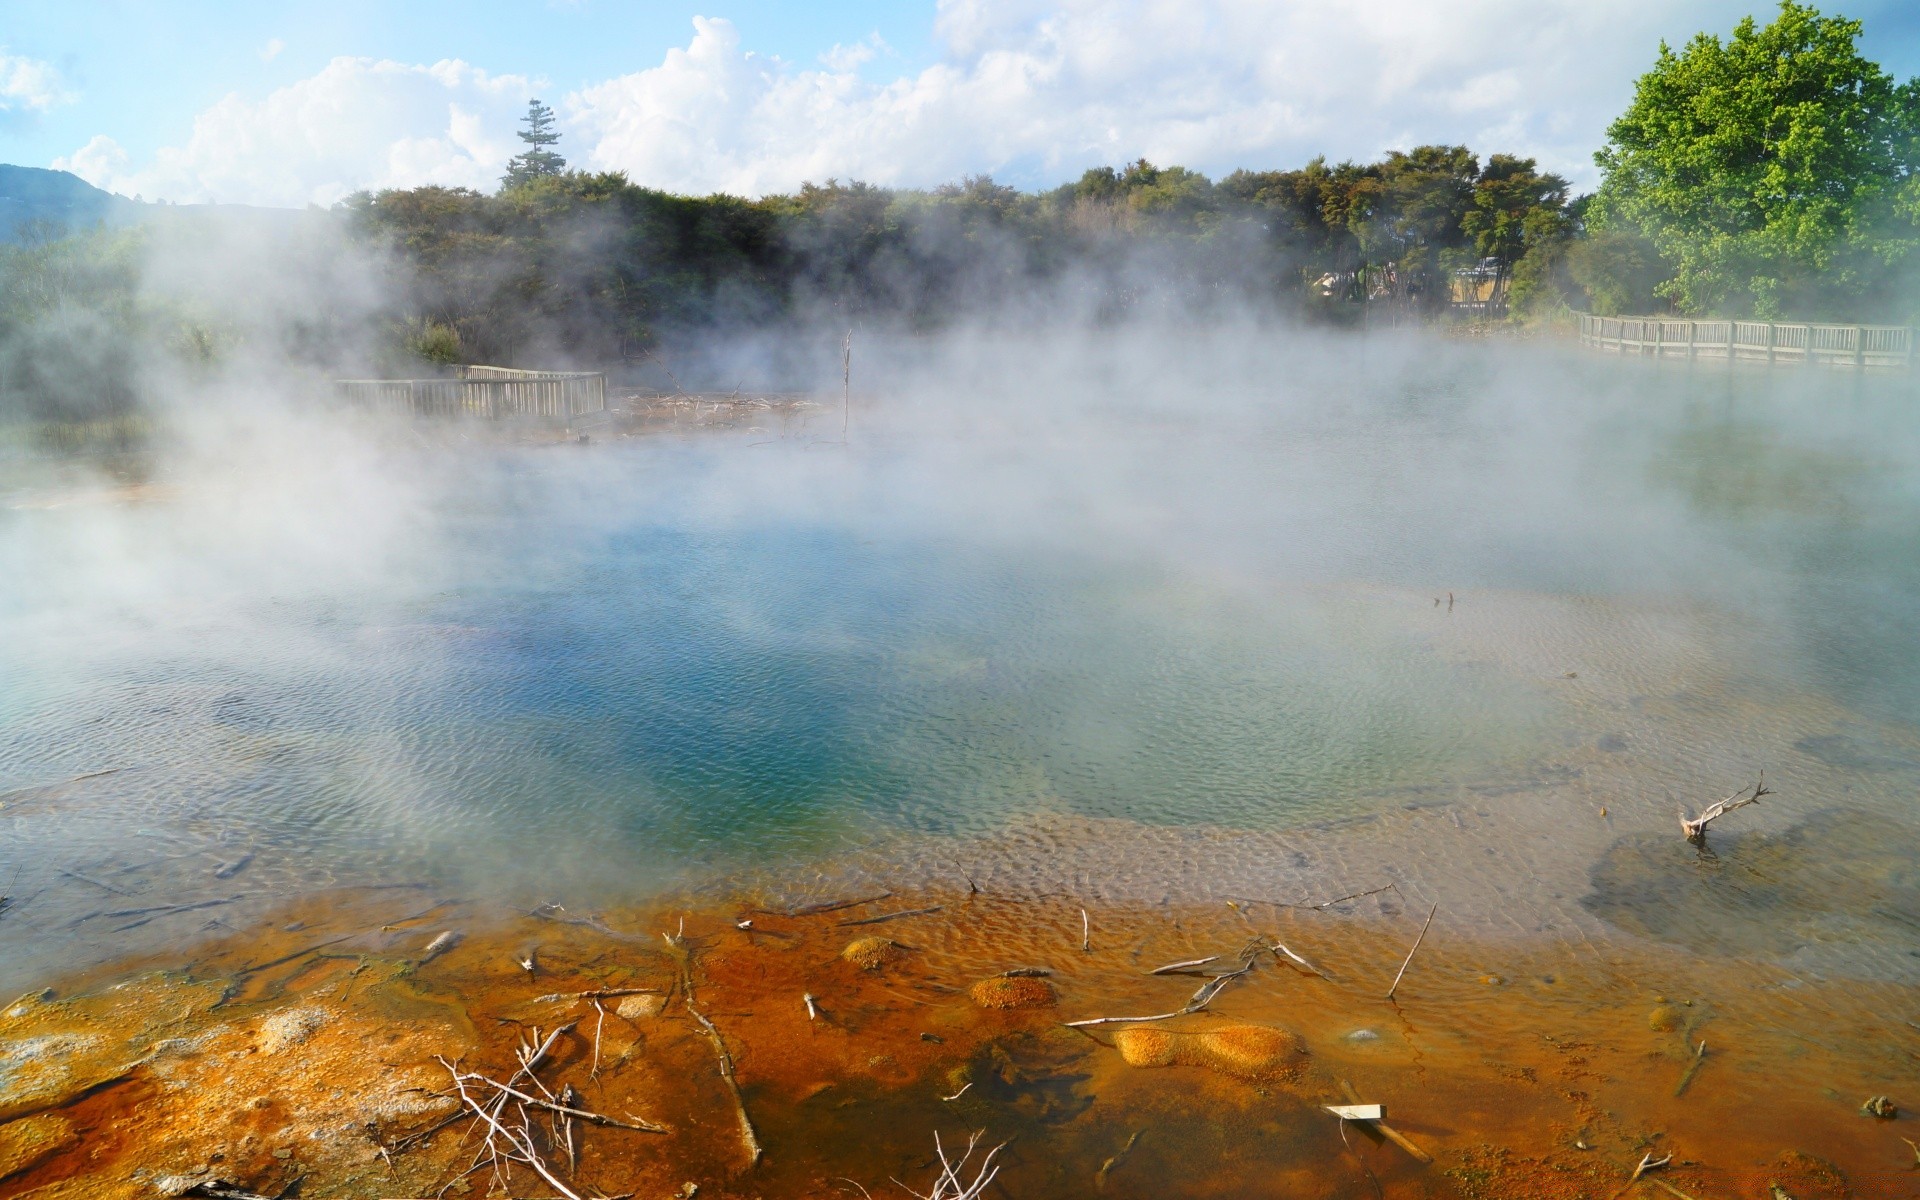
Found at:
(599, 1023)
(161, 909)
(747, 1135)
(1281, 948)
(1086, 932)
(1647, 1163)
(1695, 828)
(1201, 999)
(519, 1143)
(1326, 904)
(565, 1109)
(892, 916)
(1178, 967)
(1100, 1176)
(814, 910)
(1389, 1132)
(1693, 1068)
(949, 1185)
(1416, 946)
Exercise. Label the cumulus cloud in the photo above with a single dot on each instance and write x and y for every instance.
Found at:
(358, 123)
(1032, 91)
(1035, 92)
(28, 87)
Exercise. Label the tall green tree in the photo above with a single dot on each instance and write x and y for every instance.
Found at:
(1774, 172)
(539, 160)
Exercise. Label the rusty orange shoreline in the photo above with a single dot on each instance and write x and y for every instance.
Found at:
(322, 1055)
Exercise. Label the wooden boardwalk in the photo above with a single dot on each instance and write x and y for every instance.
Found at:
(495, 393)
(1854, 347)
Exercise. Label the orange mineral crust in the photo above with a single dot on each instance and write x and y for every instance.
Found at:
(385, 1043)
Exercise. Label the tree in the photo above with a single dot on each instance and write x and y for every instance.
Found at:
(537, 161)
(1774, 172)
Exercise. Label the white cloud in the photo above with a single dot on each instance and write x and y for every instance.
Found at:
(272, 49)
(28, 86)
(1036, 91)
(358, 123)
(1033, 91)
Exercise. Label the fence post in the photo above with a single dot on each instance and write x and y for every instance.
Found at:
(1772, 336)
(1860, 348)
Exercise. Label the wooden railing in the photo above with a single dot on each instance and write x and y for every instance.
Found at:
(1859, 347)
(496, 393)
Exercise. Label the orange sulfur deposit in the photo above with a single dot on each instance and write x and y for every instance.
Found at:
(327, 1053)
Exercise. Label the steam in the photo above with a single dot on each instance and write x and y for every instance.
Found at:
(1201, 534)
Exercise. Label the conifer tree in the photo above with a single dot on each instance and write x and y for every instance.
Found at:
(537, 160)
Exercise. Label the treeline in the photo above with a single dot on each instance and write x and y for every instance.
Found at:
(1775, 173)
(585, 265)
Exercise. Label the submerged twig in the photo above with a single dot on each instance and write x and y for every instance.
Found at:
(892, 916)
(565, 1109)
(1100, 1176)
(1177, 967)
(1281, 948)
(747, 1135)
(814, 910)
(949, 1185)
(1695, 828)
(1647, 1163)
(1699, 1056)
(1199, 1002)
(1416, 946)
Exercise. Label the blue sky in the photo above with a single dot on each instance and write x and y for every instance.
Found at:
(302, 103)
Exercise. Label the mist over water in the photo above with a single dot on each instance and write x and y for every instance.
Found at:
(1184, 579)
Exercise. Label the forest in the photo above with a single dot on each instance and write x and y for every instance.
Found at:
(1773, 173)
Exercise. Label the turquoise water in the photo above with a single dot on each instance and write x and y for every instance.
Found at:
(1206, 594)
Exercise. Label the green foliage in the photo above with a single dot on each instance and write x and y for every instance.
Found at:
(538, 160)
(436, 343)
(1774, 173)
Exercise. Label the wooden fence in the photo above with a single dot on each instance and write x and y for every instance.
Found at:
(496, 393)
(1857, 347)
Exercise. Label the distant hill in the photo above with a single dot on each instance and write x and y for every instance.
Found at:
(32, 195)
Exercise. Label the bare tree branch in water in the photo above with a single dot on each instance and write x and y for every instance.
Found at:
(1695, 828)
(950, 1185)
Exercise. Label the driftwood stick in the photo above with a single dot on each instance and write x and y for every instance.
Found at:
(1281, 948)
(1693, 1068)
(567, 1110)
(747, 1135)
(1326, 904)
(814, 910)
(892, 916)
(72, 874)
(1201, 999)
(1189, 964)
(523, 1148)
(599, 1023)
(1695, 828)
(159, 909)
(1100, 1176)
(1416, 946)
(1647, 1163)
(1086, 932)
(733, 1084)
(1389, 1132)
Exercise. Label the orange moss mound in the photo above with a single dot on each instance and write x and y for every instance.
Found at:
(872, 953)
(1239, 1049)
(1017, 992)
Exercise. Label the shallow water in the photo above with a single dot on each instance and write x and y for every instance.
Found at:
(1127, 624)
(1251, 591)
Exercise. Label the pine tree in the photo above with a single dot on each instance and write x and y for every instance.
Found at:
(536, 161)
